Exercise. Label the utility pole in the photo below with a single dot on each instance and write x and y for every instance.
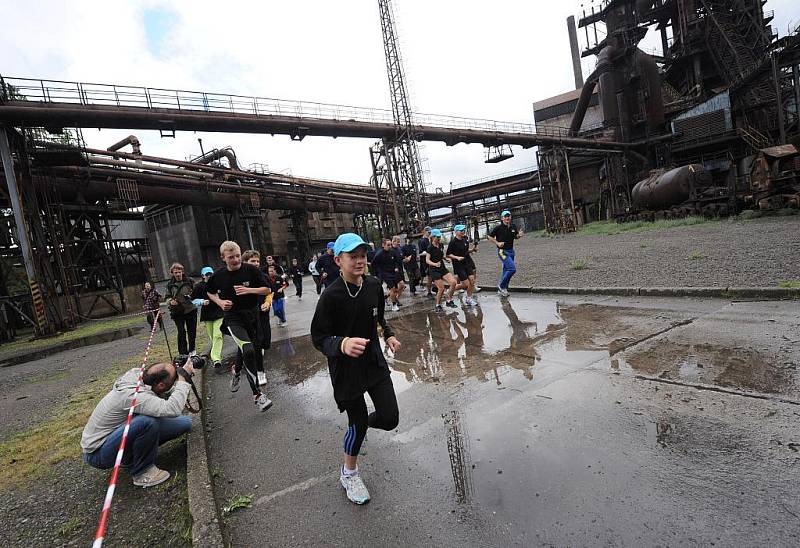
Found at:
(409, 184)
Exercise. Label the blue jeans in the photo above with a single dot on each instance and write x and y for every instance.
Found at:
(144, 437)
(277, 308)
(509, 268)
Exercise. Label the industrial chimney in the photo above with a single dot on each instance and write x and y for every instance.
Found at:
(576, 54)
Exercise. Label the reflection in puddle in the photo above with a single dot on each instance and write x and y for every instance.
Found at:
(496, 337)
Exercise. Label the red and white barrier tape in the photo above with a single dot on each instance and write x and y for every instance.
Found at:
(142, 313)
(112, 484)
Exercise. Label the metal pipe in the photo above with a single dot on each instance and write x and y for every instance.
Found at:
(216, 154)
(139, 166)
(776, 75)
(129, 140)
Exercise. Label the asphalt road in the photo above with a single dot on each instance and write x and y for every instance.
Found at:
(533, 421)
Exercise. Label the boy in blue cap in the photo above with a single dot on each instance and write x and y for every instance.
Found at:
(327, 267)
(503, 236)
(345, 329)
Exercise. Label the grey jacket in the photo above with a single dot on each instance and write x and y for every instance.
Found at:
(112, 411)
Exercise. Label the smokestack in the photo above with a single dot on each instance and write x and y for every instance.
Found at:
(576, 54)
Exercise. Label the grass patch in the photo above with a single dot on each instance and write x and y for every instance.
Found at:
(69, 528)
(609, 228)
(578, 264)
(789, 284)
(32, 453)
(86, 330)
(236, 503)
(696, 255)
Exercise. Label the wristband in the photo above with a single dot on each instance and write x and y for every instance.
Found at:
(341, 346)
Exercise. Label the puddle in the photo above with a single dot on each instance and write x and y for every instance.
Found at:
(730, 367)
(523, 337)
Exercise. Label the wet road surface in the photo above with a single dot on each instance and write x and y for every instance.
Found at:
(533, 421)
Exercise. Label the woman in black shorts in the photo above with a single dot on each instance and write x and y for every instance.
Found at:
(438, 271)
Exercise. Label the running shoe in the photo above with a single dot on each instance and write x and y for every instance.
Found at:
(263, 402)
(218, 368)
(235, 382)
(283, 324)
(154, 475)
(439, 308)
(430, 296)
(470, 301)
(193, 353)
(262, 378)
(395, 308)
(355, 488)
(451, 304)
(477, 289)
(502, 292)
(399, 304)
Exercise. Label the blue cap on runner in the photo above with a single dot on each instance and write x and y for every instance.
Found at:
(505, 213)
(348, 242)
(436, 233)
(330, 245)
(206, 270)
(459, 228)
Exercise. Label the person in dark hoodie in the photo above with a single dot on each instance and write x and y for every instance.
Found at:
(296, 272)
(181, 309)
(345, 329)
(211, 315)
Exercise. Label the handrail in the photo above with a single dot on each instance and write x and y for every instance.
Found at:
(94, 94)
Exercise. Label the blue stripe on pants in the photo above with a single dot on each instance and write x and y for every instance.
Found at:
(506, 256)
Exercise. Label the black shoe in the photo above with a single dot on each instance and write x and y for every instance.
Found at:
(430, 296)
(451, 304)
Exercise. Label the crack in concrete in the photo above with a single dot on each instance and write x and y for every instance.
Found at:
(711, 388)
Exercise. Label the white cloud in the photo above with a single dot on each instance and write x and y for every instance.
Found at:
(467, 58)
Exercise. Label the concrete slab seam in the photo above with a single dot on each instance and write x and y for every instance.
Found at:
(206, 526)
(762, 293)
(710, 388)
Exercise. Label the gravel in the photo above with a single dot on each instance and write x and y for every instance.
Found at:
(751, 253)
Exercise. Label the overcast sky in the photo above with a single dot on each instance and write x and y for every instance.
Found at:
(462, 57)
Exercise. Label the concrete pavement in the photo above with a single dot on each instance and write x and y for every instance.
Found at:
(534, 421)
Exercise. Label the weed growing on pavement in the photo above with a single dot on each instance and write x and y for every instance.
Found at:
(72, 525)
(236, 503)
(696, 255)
(609, 228)
(789, 284)
(34, 452)
(578, 264)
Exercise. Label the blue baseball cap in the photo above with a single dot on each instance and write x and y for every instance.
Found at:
(427, 229)
(330, 245)
(436, 233)
(348, 242)
(505, 213)
(206, 270)
(459, 228)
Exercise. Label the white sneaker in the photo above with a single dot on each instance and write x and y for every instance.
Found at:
(477, 289)
(395, 308)
(263, 402)
(282, 324)
(262, 378)
(153, 476)
(502, 292)
(470, 301)
(193, 353)
(355, 488)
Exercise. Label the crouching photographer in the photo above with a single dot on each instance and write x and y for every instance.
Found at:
(156, 420)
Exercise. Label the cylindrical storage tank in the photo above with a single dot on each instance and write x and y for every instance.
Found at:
(651, 86)
(662, 190)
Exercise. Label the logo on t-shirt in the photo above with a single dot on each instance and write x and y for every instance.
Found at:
(246, 284)
(375, 312)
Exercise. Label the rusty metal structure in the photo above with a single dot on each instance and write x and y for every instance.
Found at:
(722, 90)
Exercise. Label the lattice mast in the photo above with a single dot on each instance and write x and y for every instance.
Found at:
(409, 185)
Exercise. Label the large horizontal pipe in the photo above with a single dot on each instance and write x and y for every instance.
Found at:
(88, 116)
(93, 159)
(272, 177)
(272, 199)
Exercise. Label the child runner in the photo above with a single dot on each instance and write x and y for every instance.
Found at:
(458, 251)
(263, 330)
(438, 271)
(277, 283)
(386, 269)
(236, 288)
(424, 243)
(296, 272)
(345, 329)
(503, 236)
(210, 315)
